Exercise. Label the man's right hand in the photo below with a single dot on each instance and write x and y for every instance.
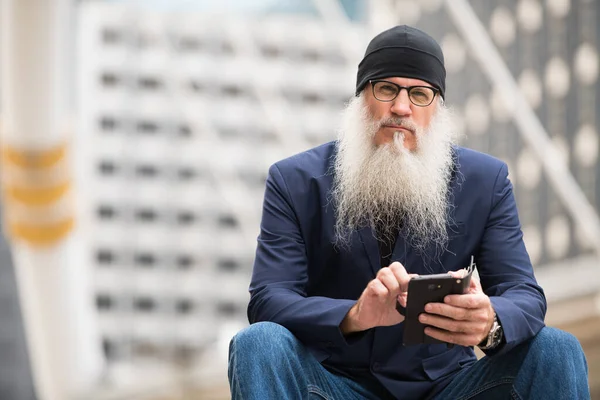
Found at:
(377, 303)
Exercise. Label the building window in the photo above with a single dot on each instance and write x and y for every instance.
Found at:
(108, 123)
(106, 167)
(150, 83)
(184, 261)
(228, 308)
(146, 171)
(110, 79)
(145, 259)
(104, 302)
(147, 127)
(184, 131)
(186, 173)
(111, 36)
(105, 256)
(106, 212)
(186, 217)
(228, 264)
(145, 304)
(146, 215)
(227, 221)
(184, 306)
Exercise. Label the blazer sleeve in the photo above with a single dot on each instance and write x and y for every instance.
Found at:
(280, 275)
(506, 272)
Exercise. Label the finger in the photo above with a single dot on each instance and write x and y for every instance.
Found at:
(410, 276)
(457, 274)
(402, 277)
(377, 289)
(474, 286)
(478, 300)
(402, 298)
(386, 276)
(397, 264)
(481, 315)
(451, 337)
(451, 325)
(449, 311)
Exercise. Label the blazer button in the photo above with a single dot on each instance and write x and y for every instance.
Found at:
(376, 367)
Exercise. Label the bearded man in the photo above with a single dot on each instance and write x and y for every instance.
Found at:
(346, 225)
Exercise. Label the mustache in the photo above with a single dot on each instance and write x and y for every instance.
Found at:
(402, 122)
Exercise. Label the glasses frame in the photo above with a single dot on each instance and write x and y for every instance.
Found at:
(436, 91)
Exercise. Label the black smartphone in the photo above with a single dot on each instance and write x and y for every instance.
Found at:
(429, 289)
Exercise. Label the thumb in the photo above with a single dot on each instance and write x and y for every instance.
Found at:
(475, 286)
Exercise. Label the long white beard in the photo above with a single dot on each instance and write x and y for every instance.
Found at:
(388, 187)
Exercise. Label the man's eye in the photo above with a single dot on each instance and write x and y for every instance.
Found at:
(419, 93)
(388, 88)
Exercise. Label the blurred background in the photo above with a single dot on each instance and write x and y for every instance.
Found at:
(136, 138)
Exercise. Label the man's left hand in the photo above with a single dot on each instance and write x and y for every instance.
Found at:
(463, 319)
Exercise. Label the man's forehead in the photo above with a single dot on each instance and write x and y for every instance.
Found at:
(404, 81)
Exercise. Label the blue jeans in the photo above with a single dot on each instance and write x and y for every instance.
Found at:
(550, 366)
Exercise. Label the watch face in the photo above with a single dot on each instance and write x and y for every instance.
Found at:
(497, 336)
(494, 336)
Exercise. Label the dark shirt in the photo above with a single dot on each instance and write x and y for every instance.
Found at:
(386, 247)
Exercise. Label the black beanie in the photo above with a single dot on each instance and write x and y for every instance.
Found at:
(403, 51)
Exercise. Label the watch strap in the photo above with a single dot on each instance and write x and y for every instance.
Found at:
(494, 336)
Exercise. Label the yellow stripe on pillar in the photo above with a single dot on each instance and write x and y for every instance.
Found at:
(36, 196)
(41, 234)
(33, 158)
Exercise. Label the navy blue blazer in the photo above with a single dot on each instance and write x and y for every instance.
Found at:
(303, 282)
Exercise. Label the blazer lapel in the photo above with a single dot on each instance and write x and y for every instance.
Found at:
(370, 247)
(400, 252)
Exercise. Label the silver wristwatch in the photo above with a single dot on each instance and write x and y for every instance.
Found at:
(494, 337)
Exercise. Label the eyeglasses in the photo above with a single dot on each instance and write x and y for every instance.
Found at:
(421, 96)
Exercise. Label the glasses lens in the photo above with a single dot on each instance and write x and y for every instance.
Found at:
(384, 91)
(421, 96)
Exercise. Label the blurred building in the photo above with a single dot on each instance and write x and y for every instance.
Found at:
(183, 107)
(182, 113)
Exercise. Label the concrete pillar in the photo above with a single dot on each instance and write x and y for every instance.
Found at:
(53, 274)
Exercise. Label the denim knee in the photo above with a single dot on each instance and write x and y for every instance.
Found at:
(555, 367)
(555, 345)
(263, 339)
(556, 339)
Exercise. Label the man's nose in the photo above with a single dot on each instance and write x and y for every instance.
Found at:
(401, 105)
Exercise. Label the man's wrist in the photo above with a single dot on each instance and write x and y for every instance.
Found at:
(349, 323)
